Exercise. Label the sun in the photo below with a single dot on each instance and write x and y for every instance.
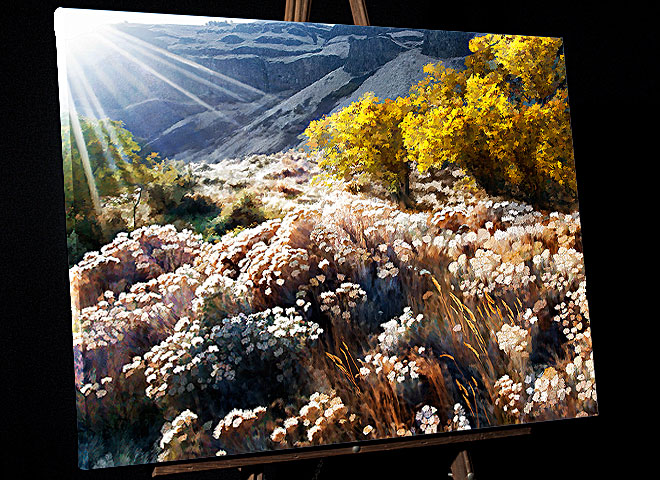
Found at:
(71, 23)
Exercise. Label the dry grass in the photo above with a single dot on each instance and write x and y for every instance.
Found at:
(346, 319)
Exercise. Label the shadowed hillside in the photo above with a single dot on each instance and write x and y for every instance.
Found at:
(236, 89)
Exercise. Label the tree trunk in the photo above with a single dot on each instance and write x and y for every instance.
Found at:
(404, 198)
(135, 206)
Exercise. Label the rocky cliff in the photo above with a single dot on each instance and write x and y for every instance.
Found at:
(209, 92)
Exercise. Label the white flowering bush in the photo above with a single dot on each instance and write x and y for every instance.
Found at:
(513, 339)
(549, 391)
(341, 304)
(510, 396)
(141, 255)
(324, 418)
(394, 369)
(241, 431)
(341, 318)
(459, 420)
(184, 437)
(121, 326)
(246, 355)
(399, 330)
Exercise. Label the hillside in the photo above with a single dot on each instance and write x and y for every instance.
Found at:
(194, 92)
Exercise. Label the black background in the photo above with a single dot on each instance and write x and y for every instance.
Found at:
(609, 76)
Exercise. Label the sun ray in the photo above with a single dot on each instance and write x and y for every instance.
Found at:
(118, 89)
(143, 51)
(82, 149)
(91, 103)
(190, 63)
(163, 78)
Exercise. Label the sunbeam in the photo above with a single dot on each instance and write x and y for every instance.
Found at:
(190, 63)
(80, 142)
(197, 78)
(128, 78)
(92, 104)
(161, 77)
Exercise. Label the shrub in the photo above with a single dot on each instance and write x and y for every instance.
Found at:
(243, 356)
(108, 181)
(365, 138)
(471, 315)
(246, 211)
(505, 119)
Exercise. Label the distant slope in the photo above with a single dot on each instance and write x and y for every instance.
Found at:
(395, 78)
(204, 93)
(281, 126)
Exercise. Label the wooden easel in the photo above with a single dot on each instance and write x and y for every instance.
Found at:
(298, 11)
(461, 466)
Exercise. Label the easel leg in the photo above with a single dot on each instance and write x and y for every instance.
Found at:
(297, 10)
(461, 467)
(257, 474)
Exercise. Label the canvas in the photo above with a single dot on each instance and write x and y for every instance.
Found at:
(284, 235)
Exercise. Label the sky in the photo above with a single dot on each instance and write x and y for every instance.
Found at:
(71, 22)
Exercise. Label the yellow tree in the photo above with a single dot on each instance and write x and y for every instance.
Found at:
(505, 119)
(365, 138)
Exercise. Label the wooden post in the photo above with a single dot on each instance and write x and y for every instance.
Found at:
(288, 10)
(297, 10)
(461, 467)
(359, 10)
(254, 474)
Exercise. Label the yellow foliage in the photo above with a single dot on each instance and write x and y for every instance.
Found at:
(504, 119)
(364, 137)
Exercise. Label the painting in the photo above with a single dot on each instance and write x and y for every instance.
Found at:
(284, 235)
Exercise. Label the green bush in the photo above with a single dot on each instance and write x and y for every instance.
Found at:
(107, 183)
(245, 212)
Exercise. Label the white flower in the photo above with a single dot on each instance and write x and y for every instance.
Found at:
(570, 369)
(278, 435)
